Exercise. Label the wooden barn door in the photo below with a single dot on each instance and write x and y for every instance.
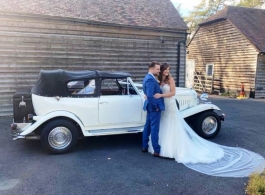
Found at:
(189, 77)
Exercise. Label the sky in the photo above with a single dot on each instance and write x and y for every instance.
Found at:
(186, 5)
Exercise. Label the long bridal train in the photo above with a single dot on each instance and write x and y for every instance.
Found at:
(179, 141)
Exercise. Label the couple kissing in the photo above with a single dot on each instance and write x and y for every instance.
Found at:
(166, 133)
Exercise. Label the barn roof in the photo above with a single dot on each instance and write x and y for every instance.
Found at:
(249, 21)
(146, 13)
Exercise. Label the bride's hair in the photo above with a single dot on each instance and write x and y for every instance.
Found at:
(163, 67)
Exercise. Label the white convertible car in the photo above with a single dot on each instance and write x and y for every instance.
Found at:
(66, 105)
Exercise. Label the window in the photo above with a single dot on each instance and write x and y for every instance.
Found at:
(125, 84)
(110, 87)
(117, 87)
(109, 84)
(209, 69)
(81, 87)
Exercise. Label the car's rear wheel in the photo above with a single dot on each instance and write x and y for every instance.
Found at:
(208, 124)
(59, 136)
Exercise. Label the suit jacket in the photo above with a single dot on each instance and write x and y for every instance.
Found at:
(150, 88)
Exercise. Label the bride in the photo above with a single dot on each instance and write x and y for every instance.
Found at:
(180, 142)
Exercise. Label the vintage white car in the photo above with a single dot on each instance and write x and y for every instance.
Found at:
(66, 105)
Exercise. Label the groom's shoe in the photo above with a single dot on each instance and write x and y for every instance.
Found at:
(156, 154)
(144, 150)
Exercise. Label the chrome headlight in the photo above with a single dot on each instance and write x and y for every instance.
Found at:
(204, 97)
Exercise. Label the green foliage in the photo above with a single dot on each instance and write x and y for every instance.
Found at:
(256, 184)
(208, 8)
(204, 10)
(228, 94)
(251, 3)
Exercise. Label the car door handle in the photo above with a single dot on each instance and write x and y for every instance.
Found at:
(103, 102)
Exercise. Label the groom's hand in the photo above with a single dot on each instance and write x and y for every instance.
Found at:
(158, 95)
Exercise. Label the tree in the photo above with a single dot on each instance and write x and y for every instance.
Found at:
(204, 10)
(208, 8)
(178, 7)
(196, 16)
(251, 3)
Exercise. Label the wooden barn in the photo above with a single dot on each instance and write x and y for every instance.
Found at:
(228, 50)
(108, 35)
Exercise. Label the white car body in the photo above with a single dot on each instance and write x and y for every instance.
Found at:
(104, 114)
(96, 116)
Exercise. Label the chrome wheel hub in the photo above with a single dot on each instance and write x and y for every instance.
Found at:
(60, 138)
(209, 125)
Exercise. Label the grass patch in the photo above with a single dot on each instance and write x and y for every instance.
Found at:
(231, 95)
(256, 184)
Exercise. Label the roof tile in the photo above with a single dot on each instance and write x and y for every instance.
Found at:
(249, 21)
(147, 13)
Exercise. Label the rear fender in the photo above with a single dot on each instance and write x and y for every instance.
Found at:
(39, 120)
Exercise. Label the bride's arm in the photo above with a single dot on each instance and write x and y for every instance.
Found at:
(172, 90)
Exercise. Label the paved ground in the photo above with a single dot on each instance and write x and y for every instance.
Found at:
(115, 164)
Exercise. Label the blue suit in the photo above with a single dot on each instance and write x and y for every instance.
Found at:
(153, 107)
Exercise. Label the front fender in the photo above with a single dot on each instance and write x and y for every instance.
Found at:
(41, 119)
(197, 109)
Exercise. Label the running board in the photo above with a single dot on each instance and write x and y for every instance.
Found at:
(116, 131)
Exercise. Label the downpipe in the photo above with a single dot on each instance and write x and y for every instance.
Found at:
(178, 55)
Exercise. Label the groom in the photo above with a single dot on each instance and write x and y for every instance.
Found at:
(153, 107)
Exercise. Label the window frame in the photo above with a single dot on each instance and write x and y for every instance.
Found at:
(83, 95)
(207, 69)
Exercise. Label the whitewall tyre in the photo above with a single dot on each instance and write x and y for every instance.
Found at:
(59, 136)
(208, 124)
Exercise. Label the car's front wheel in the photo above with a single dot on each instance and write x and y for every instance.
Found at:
(208, 124)
(59, 136)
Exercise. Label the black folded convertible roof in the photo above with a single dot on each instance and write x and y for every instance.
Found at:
(53, 82)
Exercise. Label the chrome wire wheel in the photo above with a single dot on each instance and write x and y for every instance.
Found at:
(209, 125)
(59, 138)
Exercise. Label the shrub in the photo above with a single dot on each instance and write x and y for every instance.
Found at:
(256, 184)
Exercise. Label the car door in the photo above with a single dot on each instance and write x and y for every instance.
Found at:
(82, 101)
(119, 105)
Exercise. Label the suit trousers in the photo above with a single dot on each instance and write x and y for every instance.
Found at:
(152, 127)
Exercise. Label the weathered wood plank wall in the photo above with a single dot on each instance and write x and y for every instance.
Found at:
(260, 78)
(29, 44)
(233, 56)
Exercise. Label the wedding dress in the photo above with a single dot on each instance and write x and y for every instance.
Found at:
(179, 141)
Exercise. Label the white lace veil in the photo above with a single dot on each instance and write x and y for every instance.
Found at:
(234, 161)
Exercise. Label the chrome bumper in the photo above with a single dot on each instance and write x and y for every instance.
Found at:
(222, 116)
(17, 129)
